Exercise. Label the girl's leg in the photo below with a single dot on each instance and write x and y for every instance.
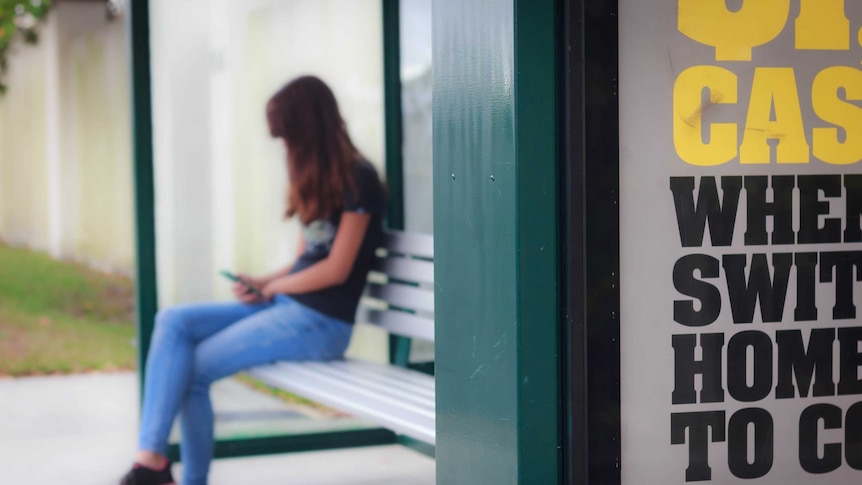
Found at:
(286, 331)
(170, 363)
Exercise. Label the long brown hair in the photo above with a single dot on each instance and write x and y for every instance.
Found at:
(304, 113)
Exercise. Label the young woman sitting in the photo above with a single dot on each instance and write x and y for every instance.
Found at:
(302, 312)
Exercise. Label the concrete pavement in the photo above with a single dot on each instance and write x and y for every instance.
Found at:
(80, 430)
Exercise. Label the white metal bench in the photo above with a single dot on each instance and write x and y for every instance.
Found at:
(400, 299)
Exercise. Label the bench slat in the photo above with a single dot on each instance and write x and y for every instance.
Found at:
(396, 416)
(425, 386)
(403, 296)
(390, 370)
(411, 244)
(404, 381)
(362, 389)
(343, 377)
(400, 421)
(401, 323)
(329, 382)
(397, 383)
(412, 270)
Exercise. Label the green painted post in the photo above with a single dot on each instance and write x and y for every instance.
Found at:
(145, 221)
(399, 347)
(497, 260)
(393, 112)
(538, 261)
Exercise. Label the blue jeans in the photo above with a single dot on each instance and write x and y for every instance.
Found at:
(195, 345)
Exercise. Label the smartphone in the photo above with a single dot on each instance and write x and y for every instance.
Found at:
(237, 279)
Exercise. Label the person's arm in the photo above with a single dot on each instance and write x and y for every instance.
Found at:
(264, 280)
(332, 271)
(241, 291)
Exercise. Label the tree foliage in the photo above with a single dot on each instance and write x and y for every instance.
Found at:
(19, 19)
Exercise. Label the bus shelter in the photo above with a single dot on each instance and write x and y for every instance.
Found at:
(647, 233)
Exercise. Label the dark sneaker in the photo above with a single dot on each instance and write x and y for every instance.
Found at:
(141, 475)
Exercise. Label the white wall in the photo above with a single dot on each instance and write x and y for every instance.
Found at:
(65, 159)
(23, 160)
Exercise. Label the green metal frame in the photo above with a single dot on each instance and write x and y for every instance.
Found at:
(393, 112)
(592, 343)
(234, 448)
(399, 347)
(145, 226)
(576, 449)
(145, 214)
(416, 445)
(538, 261)
(497, 259)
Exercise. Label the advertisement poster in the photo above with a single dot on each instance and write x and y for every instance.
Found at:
(741, 241)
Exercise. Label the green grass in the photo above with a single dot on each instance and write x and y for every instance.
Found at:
(58, 317)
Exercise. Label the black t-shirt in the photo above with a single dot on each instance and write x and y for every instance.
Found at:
(367, 197)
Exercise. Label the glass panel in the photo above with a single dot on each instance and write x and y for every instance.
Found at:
(220, 178)
(418, 143)
(416, 106)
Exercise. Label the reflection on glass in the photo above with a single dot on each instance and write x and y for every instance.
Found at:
(416, 104)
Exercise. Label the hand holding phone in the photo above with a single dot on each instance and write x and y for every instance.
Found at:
(250, 288)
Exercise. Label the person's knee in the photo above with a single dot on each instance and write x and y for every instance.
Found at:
(171, 320)
(206, 370)
(202, 379)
